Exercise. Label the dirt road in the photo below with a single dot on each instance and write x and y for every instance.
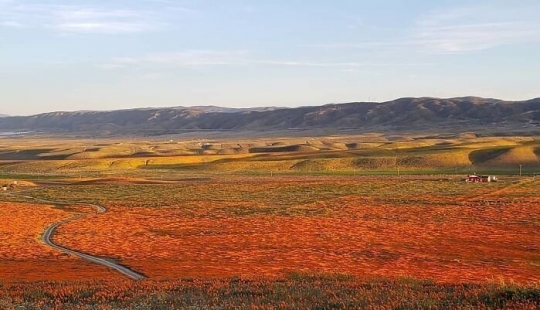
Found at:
(49, 232)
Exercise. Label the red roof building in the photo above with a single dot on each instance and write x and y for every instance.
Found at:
(481, 178)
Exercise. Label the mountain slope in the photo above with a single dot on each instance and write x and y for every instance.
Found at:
(402, 114)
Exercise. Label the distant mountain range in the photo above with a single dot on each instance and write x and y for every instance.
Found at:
(405, 114)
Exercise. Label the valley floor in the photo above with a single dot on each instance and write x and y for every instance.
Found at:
(210, 238)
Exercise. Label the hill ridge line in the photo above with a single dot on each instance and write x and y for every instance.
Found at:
(408, 113)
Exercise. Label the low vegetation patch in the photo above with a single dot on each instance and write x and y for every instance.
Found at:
(295, 292)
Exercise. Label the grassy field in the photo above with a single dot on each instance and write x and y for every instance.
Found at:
(339, 222)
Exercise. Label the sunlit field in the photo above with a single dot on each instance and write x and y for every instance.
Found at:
(251, 154)
(223, 238)
(426, 228)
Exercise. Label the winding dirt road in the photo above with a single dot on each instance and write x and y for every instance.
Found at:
(49, 232)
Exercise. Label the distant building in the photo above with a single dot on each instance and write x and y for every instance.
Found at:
(481, 178)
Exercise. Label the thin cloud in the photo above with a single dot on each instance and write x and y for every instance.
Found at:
(457, 30)
(102, 27)
(74, 13)
(205, 58)
(368, 45)
(77, 18)
(91, 20)
(10, 24)
(452, 31)
(192, 58)
(349, 65)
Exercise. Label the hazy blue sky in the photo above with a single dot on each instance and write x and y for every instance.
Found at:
(97, 54)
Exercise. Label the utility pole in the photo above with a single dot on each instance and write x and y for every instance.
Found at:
(520, 174)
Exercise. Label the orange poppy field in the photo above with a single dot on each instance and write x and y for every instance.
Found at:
(255, 233)
(453, 238)
(24, 257)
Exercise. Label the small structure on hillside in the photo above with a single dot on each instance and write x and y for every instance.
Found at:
(481, 178)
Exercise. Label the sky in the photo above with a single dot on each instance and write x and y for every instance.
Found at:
(116, 54)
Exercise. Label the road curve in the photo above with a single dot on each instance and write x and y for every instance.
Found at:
(49, 232)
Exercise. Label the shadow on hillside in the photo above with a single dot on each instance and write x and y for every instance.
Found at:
(480, 157)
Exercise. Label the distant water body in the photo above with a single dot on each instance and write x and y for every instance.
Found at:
(13, 133)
